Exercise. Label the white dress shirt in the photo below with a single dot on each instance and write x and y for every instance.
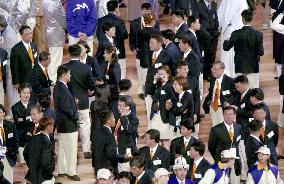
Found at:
(186, 53)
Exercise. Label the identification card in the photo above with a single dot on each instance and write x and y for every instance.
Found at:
(271, 134)
(158, 65)
(10, 135)
(157, 162)
(238, 138)
(197, 175)
(243, 105)
(179, 104)
(163, 92)
(190, 91)
(188, 153)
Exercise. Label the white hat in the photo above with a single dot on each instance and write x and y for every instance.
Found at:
(180, 162)
(265, 150)
(161, 172)
(231, 153)
(103, 174)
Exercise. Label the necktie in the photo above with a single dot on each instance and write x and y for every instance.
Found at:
(136, 181)
(142, 24)
(118, 125)
(193, 169)
(231, 134)
(216, 97)
(185, 145)
(151, 154)
(2, 131)
(154, 58)
(209, 6)
(30, 51)
(46, 72)
(262, 133)
(242, 96)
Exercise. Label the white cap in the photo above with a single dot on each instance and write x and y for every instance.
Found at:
(180, 162)
(231, 153)
(265, 150)
(103, 174)
(161, 172)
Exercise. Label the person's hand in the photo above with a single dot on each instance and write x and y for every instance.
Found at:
(127, 157)
(169, 104)
(20, 119)
(16, 86)
(124, 111)
(99, 82)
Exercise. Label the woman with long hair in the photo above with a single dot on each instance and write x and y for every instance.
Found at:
(111, 66)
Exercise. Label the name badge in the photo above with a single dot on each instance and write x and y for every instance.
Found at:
(243, 105)
(271, 134)
(107, 77)
(179, 104)
(163, 92)
(35, 55)
(238, 138)
(197, 175)
(250, 119)
(157, 162)
(190, 91)
(227, 92)
(176, 39)
(188, 153)
(158, 65)
(10, 135)
(29, 118)
(121, 127)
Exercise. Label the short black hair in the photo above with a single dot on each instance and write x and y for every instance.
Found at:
(24, 86)
(3, 21)
(257, 107)
(255, 125)
(229, 107)
(37, 107)
(107, 26)
(137, 161)
(146, 6)
(181, 63)
(75, 50)
(23, 28)
(168, 34)
(62, 69)
(179, 13)
(43, 56)
(154, 134)
(124, 174)
(126, 99)
(44, 100)
(199, 147)
(191, 19)
(186, 39)
(85, 44)
(247, 15)
(257, 93)
(157, 37)
(243, 79)
(105, 116)
(188, 123)
(112, 5)
(2, 108)
(124, 84)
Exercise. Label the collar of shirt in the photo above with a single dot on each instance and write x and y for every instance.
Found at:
(220, 79)
(140, 176)
(24, 104)
(168, 44)
(36, 125)
(192, 32)
(186, 53)
(179, 181)
(154, 149)
(177, 28)
(180, 95)
(264, 124)
(244, 94)
(27, 45)
(158, 52)
(110, 39)
(197, 162)
(229, 126)
(42, 67)
(108, 128)
(63, 83)
(84, 60)
(46, 135)
(206, 2)
(257, 138)
(247, 25)
(186, 140)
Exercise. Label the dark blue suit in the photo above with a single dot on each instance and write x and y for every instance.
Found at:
(174, 52)
(173, 180)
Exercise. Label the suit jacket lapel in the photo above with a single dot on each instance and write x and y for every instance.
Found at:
(24, 50)
(226, 131)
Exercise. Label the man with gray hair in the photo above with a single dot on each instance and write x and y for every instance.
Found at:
(221, 93)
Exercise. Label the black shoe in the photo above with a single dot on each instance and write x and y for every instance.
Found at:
(61, 175)
(141, 96)
(74, 178)
(87, 155)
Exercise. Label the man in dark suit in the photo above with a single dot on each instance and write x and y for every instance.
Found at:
(126, 128)
(3, 77)
(121, 32)
(199, 165)
(140, 175)
(40, 81)
(207, 13)
(81, 83)
(23, 57)
(8, 138)
(190, 57)
(224, 136)
(104, 149)
(248, 46)
(171, 48)
(66, 124)
(189, 6)
(178, 18)
(159, 57)
(180, 146)
(269, 131)
(39, 154)
(155, 156)
(253, 142)
(257, 97)
(221, 92)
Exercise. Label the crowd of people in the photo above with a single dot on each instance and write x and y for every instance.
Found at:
(53, 105)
